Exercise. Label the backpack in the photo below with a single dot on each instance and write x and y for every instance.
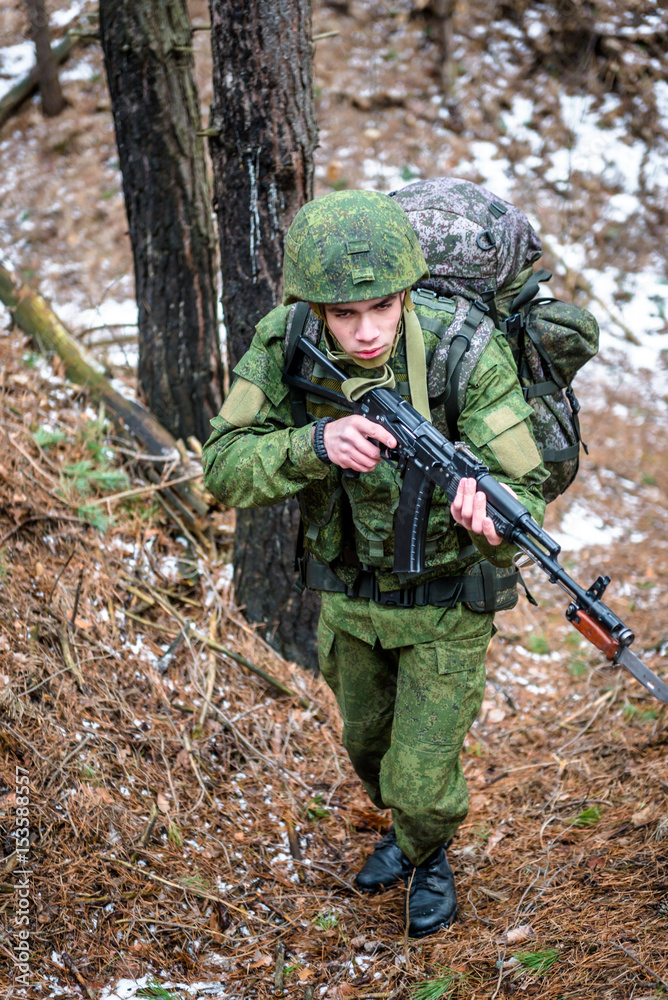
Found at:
(482, 249)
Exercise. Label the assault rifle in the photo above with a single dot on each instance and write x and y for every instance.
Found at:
(427, 459)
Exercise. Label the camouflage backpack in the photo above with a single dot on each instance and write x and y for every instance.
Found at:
(482, 249)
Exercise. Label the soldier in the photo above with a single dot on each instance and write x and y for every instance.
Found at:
(404, 656)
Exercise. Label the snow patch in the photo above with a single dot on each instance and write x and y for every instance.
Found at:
(15, 61)
(581, 528)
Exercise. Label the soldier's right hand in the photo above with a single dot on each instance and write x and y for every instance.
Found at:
(350, 442)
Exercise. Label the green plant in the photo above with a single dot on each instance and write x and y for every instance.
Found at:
(4, 569)
(537, 643)
(84, 477)
(325, 921)
(93, 436)
(577, 668)
(315, 809)
(154, 991)
(588, 817)
(196, 881)
(644, 715)
(174, 835)
(89, 775)
(46, 438)
(482, 832)
(539, 962)
(443, 985)
(95, 516)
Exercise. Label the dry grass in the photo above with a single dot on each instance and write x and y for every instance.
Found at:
(194, 848)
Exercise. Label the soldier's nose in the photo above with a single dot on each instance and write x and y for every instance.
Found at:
(366, 331)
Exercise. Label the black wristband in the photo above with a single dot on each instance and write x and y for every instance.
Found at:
(319, 440)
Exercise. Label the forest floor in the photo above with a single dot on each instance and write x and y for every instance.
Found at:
(190, 826)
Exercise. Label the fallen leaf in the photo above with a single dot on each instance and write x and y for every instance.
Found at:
(344, 992)
(494, 840)
(260, 960)
(334, 171)
(642, 816)
(523, 933)
(162, 803)
(100, 796)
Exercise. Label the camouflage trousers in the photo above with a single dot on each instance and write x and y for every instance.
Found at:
(409, 683)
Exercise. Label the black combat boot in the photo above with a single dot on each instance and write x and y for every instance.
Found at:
(432, 900)
(386, 865)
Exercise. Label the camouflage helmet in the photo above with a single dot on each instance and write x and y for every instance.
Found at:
(350, 246)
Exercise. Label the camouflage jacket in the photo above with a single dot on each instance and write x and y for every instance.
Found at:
(256, 457)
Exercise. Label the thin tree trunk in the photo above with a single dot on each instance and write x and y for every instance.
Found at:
(53, 101)
(444, 10)
(28, 83)
(150, 69)
(263, 136)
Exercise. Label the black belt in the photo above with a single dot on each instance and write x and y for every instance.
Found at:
(444, 592)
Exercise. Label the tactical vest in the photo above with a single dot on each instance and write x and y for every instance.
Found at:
(455, 335)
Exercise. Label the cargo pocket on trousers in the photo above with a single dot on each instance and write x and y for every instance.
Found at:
(462, 673)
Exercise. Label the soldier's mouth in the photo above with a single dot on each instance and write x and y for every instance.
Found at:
(370, 354)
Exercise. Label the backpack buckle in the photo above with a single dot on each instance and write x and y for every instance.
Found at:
(572, 399)
(514, 324)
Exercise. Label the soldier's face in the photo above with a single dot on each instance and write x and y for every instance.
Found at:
(366, 329)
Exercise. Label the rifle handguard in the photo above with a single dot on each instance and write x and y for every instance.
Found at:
(593, 632)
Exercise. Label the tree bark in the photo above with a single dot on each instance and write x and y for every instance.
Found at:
(150, 70)
(263, 136)
(53, 101)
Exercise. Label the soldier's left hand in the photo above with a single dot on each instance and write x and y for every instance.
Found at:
(469, 508)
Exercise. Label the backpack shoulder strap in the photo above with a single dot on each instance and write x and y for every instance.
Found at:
(456, 357)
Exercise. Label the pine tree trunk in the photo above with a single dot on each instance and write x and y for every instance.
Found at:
(263, 136)
(53, 101)
(150, 70)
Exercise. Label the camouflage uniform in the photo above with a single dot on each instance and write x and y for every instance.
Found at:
(409, 681)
